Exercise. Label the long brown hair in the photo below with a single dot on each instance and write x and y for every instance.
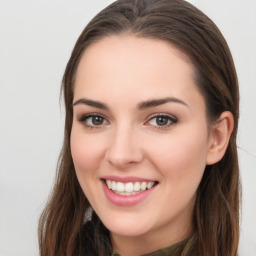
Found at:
(216, 221)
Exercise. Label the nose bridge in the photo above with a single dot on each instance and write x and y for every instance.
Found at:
(124, 146)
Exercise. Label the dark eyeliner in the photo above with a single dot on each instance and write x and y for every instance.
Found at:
(84, 117)
(83, 120)
(171, 118)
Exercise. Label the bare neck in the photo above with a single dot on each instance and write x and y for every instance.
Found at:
(150, 242)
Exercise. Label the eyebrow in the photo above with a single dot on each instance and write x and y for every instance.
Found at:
(158, 102)
(92, 103)
(141, 106)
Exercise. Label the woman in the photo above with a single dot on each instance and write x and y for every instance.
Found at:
(149, 162)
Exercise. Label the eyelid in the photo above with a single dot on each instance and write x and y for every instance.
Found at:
(172, 118)
(84, 117)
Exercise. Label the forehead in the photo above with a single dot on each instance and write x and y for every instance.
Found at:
(126, 65)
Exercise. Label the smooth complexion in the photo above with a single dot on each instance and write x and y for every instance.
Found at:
(138, 115)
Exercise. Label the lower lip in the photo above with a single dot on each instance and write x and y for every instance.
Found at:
(122, 200)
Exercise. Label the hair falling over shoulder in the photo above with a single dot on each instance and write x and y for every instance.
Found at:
(63, 229)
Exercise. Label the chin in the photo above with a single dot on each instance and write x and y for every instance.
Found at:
(129, 227)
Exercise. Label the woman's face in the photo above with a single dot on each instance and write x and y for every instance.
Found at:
(139, 138)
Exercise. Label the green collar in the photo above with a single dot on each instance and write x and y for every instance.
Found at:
(179, 249)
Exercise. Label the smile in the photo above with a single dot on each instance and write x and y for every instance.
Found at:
(129, 188)
(127, 191)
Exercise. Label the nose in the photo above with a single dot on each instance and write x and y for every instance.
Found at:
(124, 148)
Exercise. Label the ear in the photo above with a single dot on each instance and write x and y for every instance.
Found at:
(219, 137)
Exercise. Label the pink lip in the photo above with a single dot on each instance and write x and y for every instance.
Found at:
(126, 179)
(121, 200)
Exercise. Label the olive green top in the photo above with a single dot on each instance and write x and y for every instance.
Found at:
(179, 249)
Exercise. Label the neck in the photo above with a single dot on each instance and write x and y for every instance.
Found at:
(146, 243)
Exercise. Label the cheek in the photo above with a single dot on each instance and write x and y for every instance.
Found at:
(86, 152)
(181, 158)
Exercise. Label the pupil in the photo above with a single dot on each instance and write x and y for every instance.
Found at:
(97, 120)
(161, 120)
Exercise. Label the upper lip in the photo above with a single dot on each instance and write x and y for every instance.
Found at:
(126, 179)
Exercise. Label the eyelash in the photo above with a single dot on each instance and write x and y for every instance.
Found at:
(85, 118)
(170, 119)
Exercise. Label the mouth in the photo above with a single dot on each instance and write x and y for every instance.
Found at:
(129, 188)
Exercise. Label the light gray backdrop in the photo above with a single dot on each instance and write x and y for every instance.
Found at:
(36, 39)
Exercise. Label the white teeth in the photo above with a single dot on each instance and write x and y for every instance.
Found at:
(109, 184)
(129, 188)
(113, 185)
(143, 185)
(150, 185)
(136, 186)
(125, 193)
(120, 186)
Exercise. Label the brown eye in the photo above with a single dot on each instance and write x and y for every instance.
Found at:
(97, 120)
(93, 120)
(162, 121)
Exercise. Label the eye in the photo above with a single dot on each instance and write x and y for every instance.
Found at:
(93, 121)
(162, 121)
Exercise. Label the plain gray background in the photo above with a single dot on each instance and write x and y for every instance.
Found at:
(36, 39)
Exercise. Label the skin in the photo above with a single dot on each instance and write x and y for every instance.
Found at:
(121, 72)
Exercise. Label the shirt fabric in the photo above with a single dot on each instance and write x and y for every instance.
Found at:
(179, 249)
